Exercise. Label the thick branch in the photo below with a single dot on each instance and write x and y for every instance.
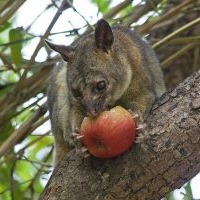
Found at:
(165, 160)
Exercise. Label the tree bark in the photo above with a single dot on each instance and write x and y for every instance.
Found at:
(167, 157)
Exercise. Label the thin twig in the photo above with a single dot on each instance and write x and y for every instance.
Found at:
(140, 10)
(16, 184)
(41, 42)
(22, 131)
(184, 40)
(29, 88)
(13, 8)
(178, 54)
(147, 26)
(6, 5)
(114, 11)
(175, 33)
(196, 58)
(6, 119)
(20, 152)
(87, 22)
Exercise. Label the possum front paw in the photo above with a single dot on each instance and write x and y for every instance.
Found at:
(140, 126)
(80, 149)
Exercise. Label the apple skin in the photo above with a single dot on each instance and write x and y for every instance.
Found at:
(109, 134)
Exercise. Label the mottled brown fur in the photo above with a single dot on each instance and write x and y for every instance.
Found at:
(112, 66)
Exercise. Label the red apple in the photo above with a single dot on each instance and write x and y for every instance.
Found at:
(109, 134)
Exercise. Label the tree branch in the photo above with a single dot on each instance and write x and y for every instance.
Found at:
(29, 87)
(167, 16)
(175, 33)
(165, 160)
(23, 130)
(9, 11)
(140, 10)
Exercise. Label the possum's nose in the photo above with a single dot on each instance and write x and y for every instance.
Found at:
(91, 110)
(91, 113)
(93, 106)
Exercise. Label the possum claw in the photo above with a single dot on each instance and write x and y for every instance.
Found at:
(133, 114)
(77, 136)
(84, 149)
(83, 152)
(140, 127)
(139, 139)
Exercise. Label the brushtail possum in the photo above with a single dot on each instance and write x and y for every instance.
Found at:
(112, 66)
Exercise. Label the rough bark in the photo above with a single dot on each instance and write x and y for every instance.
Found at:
(167, 157)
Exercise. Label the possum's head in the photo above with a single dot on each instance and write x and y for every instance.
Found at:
(92, 73)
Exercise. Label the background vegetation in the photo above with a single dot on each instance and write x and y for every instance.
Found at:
(26, 142)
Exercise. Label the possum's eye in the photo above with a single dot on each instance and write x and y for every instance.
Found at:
(100, 86)
(77, 93)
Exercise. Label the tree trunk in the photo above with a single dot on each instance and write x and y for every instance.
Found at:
(167, 157)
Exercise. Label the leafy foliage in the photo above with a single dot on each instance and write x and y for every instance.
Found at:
(26, 143)
(102, 5)
(15, 37)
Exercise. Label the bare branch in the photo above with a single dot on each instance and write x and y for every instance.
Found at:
(141, 10)
(25, 90)
(22, 131)
(64, 5)
(175, 33)
(179, 53)
(165, 160)
(13, 8)
(169, 15)
(114, 11)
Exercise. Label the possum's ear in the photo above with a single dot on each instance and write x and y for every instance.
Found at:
(103, 35)
(66, 52)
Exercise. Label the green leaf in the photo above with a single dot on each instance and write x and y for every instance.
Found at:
(38, 187)
(4, 175)
(23, 116)
(170, 196)
(25, 171)
(6, 130)
(102, 5)
(5, 26)
(5, 181)
(6, 195)
(15, 37)
(188, 190)
(39, 147)
(127, 10)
